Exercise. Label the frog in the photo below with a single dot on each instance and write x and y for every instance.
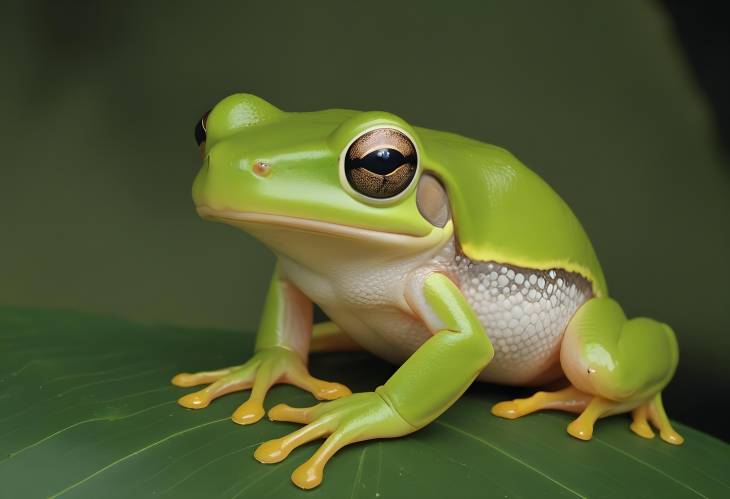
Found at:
(441, 254)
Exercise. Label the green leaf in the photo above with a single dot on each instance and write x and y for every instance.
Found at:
(89, 412)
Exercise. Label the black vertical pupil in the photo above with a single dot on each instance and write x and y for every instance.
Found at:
(200, 126)
(382, 161)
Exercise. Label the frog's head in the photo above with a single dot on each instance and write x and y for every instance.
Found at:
(335, 173)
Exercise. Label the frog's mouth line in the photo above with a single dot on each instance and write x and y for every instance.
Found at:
(246, 217)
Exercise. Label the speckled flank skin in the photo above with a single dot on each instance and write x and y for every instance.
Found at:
(524, 311)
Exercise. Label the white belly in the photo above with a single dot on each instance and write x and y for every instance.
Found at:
(524, 312)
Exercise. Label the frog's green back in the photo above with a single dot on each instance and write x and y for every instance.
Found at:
(505, 212)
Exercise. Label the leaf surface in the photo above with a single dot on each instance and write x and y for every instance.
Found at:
(88, 411)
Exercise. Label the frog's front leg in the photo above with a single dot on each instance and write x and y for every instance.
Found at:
(423, 387)
(281, 349)
(615, 365)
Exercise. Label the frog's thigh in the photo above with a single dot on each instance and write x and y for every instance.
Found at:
(624, 360)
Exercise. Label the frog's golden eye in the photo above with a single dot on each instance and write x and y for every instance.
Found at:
(201, 129)
(381, 163)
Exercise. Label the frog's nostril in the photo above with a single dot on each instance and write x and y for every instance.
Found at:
(261, 169)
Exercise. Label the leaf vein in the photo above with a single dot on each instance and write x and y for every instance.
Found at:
(358, 473)
(104, 381)
(256, 480)
(201, 468)
(650, 466)
(132, 454)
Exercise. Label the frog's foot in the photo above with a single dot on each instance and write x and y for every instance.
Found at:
(568, 399)
(265, 369)
(653, 411)
(359, 417)
(591, 408)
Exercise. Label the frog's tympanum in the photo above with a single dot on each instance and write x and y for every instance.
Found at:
(442, 254)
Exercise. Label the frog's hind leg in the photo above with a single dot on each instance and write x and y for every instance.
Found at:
(614, 365)
(623, 364)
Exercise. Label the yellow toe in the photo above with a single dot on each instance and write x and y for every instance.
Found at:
(307, 476)
(248, 413)
(642, 429)
(283, 412)
(182, 379)
(508, 409)
(280, 412)
(194, 401)
(580, 431)
(331, 391)
(271, 452)
(671, 437)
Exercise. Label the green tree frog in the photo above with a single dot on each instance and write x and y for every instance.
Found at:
(439, 253)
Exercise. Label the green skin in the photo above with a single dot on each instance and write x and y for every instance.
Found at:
(501, 211)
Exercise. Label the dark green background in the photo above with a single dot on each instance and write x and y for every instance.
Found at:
(99, 100)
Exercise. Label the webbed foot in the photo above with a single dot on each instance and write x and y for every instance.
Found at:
(591, 408)
(362, 416)
(265, 369)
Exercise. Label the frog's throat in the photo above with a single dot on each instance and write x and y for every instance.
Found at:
(242, 219)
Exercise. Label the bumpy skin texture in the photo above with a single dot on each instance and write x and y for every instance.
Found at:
(487, 263)
(526, 311)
